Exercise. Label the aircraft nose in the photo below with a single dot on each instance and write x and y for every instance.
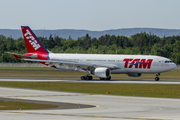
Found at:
(174, 66)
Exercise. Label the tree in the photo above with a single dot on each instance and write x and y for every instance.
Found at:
(19, 44)
(51, 42)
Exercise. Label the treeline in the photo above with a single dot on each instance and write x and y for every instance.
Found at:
(141, 43)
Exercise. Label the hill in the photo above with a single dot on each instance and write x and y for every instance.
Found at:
(65, 33)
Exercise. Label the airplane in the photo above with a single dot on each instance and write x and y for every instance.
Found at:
(100, 65)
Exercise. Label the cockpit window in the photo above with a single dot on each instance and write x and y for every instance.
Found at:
(168, 61)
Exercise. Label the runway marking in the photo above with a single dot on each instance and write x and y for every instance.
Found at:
(82, 115)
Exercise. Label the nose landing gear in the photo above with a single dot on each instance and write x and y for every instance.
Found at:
(157, 77)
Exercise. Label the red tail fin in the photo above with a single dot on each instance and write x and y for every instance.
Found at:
(33, 45)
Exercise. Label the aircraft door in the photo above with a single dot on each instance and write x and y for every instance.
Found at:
(156, 62)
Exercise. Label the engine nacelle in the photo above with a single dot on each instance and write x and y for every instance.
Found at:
(134, 74)
(102, 72)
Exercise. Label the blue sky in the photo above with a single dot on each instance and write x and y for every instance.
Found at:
(89, 14)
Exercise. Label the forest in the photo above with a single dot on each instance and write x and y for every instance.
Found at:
(140, 43)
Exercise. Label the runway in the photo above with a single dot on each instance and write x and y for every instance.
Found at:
(108, 107)
(177, 82)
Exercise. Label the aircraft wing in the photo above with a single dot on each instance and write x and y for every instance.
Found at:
(53, 63)
(75, 64)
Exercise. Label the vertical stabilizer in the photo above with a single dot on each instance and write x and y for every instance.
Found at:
(33, 45)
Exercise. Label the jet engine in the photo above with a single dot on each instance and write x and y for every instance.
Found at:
(102, 72)
(134, 74)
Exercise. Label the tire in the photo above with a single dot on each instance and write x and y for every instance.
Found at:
(87, 77)
(109, 78)
(90, 77)
(82, 77)
(156, 78)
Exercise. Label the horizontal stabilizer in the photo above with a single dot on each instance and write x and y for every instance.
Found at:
(18, 56)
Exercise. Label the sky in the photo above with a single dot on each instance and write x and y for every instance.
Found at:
(94, 15)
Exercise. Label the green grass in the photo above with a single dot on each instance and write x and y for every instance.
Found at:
(27, 72)
(11, 105)
(145, 90)
(28, 68)
(148, 90)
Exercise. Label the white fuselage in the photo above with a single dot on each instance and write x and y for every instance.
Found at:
(117, 63)
(99, 65)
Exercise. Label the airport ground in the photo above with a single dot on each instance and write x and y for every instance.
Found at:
(108, 106)
(47, 72)
(121, 84)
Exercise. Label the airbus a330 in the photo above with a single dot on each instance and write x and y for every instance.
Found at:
(100, 65)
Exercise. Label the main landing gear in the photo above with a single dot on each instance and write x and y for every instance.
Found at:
(157, 77)
(87, 77)
(109, 78)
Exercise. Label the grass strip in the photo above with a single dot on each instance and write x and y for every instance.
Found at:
(12, 105)
(146, 90)
(58, 74)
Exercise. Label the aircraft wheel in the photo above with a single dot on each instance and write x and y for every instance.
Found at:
(86, 77)
(90, 77)
(83, 78)
(156, 78)
(109, 78)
